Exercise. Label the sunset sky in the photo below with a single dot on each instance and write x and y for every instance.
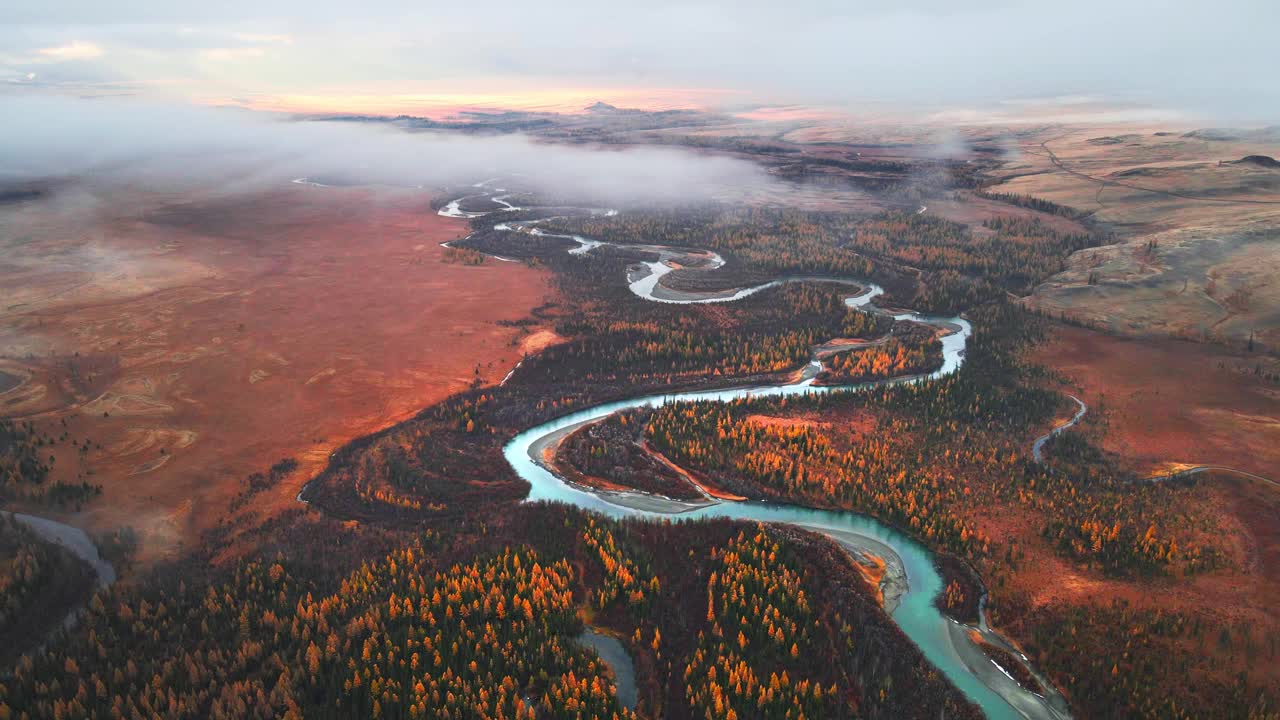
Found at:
(392, 56)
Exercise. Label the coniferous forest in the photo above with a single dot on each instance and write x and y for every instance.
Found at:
(414, 583)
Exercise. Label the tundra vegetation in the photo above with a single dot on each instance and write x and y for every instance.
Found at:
(449, 598)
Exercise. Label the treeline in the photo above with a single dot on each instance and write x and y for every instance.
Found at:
(1122, 661)
(1103, 517)
(752, 661)
(770, 332)
(624, 581)
(26, 459)
(40, 582)
(757, 243)
(412, 633)
(27, 565)
(1032, 202)
(21, 464)
(615, 452)
(804, 464)
(912, 353)
(397, 639)
(783, 617)
(463, 256)
(258, 482)
(1013, 256)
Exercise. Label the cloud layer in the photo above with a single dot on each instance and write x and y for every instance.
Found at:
(167, 145)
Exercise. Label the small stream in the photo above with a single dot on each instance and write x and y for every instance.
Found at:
(77, 543)
(615, 655)
(1037, 448)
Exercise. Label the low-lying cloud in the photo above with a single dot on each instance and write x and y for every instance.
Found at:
(173, 145)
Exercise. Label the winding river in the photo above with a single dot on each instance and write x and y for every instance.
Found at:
(946, 643)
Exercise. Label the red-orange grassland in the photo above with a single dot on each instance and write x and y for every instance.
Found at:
(1168, 404)
(234, 332)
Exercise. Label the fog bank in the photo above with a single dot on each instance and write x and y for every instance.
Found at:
(173, 145)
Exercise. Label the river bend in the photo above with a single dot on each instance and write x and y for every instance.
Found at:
(944, 642)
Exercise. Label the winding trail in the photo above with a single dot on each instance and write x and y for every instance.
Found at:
(947, 644)
(1104, 182)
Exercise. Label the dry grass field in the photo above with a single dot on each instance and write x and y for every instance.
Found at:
(1198, 231)
(1171, 403)
(194, 342)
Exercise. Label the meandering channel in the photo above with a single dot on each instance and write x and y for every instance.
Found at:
(943, 641)
(1037, 448)
(1037, 452)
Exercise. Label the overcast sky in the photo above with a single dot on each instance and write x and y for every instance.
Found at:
(1217, 58)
